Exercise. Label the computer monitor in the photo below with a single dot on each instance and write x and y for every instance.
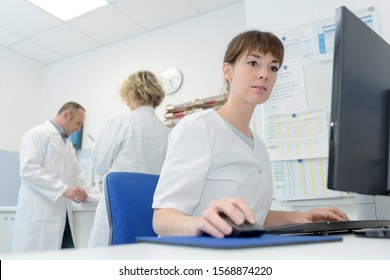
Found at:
(359, 122)
(77, 138)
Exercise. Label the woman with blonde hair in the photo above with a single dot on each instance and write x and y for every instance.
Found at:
(134, 141)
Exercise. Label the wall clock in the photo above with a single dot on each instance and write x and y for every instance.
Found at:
(172, 79)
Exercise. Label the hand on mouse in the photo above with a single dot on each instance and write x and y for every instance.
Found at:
(213, 224)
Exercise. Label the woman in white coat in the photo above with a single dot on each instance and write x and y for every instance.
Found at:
(215, 163)
(135, 141)
(50, 181)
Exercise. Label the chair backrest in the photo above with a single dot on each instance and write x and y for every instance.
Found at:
(129, 198)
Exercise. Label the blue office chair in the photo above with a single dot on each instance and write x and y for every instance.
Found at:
(129, 199)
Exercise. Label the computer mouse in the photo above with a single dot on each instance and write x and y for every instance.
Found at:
(245, 230)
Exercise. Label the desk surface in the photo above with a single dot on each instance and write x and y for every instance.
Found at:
(88, 207)
(351, 248)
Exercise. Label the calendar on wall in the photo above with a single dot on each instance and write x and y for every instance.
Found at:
(296, 117)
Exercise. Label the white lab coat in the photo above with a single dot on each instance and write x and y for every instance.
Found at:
(47, 167)
(207, 160)
(135, 141)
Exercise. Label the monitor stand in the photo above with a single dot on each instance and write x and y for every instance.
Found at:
(373, 232)
(373, 208)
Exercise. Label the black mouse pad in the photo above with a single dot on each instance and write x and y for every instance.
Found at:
(229, 243)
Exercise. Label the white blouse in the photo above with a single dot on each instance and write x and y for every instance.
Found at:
(207, 160)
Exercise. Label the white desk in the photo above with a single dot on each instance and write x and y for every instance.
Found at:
(351, 248)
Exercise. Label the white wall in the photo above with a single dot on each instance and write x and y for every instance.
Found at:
(21, 81)
(284, 14)
(196, 46)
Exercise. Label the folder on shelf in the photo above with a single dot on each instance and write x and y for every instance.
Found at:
(230, 243)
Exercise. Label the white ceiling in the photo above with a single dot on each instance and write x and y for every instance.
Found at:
(32, 32)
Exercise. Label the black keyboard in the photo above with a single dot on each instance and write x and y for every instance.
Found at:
(327, 227)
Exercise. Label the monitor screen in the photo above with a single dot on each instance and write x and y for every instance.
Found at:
(77, 138)
(359, 122)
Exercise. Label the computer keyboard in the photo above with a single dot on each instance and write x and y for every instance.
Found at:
(327, 227)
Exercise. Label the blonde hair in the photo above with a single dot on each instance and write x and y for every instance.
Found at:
(142, 88)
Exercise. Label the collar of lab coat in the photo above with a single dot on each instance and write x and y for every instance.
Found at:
(59, 129)
(144, 108)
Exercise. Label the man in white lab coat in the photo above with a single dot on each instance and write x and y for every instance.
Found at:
(50, 181)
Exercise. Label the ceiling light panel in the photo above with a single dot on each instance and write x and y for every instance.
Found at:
(68, 9)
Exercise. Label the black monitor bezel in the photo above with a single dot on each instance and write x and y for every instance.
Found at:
(359, 122)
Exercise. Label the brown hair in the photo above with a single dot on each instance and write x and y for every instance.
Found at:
(72, 106)
(254, 40)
